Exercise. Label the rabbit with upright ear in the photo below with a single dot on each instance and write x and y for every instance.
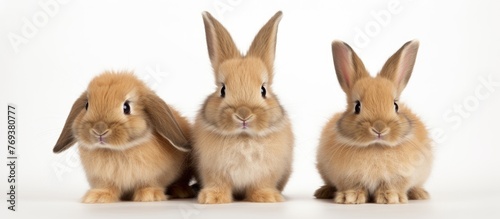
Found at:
(132, 144)
(377, 148)
(243, 140)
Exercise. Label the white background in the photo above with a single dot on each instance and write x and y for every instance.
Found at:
(65, 48)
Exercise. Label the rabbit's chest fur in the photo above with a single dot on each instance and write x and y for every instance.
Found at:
(147, 164)
(242, 160)
(245, 161)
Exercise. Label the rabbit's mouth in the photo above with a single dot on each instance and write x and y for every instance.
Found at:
(379, 136)
(384, 140)
(244, 125)
(114, 143)
(101, 140)
(243, 122)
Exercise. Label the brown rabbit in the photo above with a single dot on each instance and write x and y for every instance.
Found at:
(243, 140)
(377, 148)
(132, 145)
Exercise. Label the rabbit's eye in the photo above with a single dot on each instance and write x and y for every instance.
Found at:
(126, 108)
(223, 91)
(396, 107)
(87, 106)
(357, 108)
(263, 91)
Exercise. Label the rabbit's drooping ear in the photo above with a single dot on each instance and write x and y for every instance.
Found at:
(399, 66)
(220, 45)
(66, 139)
(164, 122)
(264, 43)
(348, 66)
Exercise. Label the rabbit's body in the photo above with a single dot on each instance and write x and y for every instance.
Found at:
(132, 145)
(371, 165)
(243, 139)
(131, 169)
(377, 149)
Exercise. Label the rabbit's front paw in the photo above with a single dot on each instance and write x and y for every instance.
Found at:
(390, 197)
(149, 194)
(353, 196)
(100, 196)
(265, 195)
(214, 196)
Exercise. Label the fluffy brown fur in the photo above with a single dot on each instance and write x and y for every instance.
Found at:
(243, 140)
(383, 152)
(134, 154)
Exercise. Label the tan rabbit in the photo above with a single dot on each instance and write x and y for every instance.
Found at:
(243, 140)
(377, 148)
(132, 145)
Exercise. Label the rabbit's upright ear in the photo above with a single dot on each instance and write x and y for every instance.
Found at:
(348, 66)
(164, 122)
(67, 139)
(399, 66)
(220, 45)
(264, 43)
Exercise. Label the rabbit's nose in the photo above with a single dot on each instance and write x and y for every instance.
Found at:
(243, 113)
(100, 129)
(379, 127)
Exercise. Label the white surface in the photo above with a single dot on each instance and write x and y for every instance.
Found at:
(466, 204)
(459, 48)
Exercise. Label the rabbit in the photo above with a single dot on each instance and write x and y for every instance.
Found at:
(132, 145)
(242, 137)
(378, 150)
